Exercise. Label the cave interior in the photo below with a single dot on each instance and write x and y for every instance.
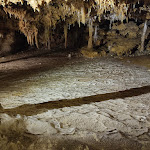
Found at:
(93, 28)
(74, 74)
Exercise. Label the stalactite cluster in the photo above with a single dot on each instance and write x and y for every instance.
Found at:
(25, 24)
(47, 14)
(18, 13)
(29, 31)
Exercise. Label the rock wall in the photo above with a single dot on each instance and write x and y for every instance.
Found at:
(6, 40)
(120, 40)
(11, 42)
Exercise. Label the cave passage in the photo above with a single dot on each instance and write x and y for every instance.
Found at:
(74, 74)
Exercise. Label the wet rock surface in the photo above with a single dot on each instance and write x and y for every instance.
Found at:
(84, 104)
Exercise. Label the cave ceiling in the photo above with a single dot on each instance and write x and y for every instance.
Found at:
(36, 18)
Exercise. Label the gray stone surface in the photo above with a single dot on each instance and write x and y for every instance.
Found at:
(122, 118)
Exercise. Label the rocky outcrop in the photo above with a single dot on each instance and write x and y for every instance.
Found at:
(121, 40)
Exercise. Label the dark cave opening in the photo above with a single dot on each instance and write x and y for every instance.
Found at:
(20, 44)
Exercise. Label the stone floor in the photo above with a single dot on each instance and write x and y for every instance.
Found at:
(89, 104)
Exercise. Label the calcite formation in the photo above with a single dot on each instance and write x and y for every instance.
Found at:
(37, 19)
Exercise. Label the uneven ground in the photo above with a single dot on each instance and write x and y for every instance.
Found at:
(55, 102)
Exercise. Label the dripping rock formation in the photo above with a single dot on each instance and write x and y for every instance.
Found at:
(53, 24)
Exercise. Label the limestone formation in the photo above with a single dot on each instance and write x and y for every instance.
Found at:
(38, 20)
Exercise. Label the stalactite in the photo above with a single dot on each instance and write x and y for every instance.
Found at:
(110, 24)
(89, 12)
(29, 31)
(65, 34)
(95, 33)
(83, 14)
(36, 37)
(127, 19)
(68, 11)
(90, 43)
(79, 20)
(18, 13)
(143, 36)
(122, 17)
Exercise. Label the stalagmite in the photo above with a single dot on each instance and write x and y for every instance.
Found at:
(90, 44)
(143, 36)
(65, 34)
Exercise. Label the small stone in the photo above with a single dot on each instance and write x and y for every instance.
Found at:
(35, 126)
(103, 53)
(89, 53)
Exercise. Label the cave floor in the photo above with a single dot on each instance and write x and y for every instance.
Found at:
(55, 102)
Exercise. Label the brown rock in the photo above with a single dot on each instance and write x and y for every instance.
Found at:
(119, 27)
(103, 53)
(122, 45)
(148, 46)
(89, 53)
(97, 43)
